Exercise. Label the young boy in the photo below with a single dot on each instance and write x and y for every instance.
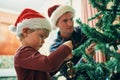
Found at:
(32, 29)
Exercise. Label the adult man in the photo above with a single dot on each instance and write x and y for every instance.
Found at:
(61, 16)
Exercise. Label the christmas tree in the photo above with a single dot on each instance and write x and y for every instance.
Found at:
(107, 36)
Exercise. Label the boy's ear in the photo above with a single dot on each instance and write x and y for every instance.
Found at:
(25, 31)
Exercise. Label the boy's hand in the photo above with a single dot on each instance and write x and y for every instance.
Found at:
(69, 44)
(70, 56)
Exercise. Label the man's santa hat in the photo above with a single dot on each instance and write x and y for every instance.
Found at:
(30, 19)
(56, 11)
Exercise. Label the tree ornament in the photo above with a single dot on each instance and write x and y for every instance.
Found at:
(70, 70)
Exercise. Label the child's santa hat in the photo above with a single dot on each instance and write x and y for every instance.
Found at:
(56, 11)
(31, 19)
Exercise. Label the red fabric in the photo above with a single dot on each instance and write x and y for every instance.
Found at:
(52, 9)
(27, 14)
(31, 65)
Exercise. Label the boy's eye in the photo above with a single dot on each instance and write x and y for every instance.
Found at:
(71, 19)
(42, 37)
(65, 20)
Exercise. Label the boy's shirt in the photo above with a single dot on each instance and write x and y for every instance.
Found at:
(31, 65)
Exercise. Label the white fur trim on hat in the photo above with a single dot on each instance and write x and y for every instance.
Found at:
(12, 28)
(59, 12)
(34, 23)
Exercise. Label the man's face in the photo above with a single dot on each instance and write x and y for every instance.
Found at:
(65, 23)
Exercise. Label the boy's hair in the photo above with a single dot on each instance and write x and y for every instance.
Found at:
(30, 19)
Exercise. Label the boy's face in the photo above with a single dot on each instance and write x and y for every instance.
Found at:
(36, 38)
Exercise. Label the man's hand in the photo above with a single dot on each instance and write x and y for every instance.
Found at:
(90, 49)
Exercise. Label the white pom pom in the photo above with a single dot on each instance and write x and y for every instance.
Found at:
(12, 28)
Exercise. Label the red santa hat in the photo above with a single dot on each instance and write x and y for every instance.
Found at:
(31, 19)
(56, 11)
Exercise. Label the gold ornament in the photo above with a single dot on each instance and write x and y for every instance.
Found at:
(70, 70)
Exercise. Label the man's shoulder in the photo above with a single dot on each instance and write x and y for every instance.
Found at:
(77, 28)
(55, 41)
